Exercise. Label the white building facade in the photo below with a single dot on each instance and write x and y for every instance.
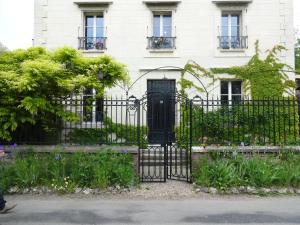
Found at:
(166, 34)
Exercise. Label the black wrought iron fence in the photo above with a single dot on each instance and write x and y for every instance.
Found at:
(117, 121)
(269, 121)
(96, 121)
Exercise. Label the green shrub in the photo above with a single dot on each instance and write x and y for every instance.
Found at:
(63, 172)
(88, 136)
(225, 172)
(260, 122)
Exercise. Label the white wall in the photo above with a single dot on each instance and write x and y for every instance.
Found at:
(196, 21)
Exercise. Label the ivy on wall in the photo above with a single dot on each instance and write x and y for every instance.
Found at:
(263, 77)
(198, 72)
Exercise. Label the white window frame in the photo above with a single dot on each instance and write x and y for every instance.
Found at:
(230, 95)
(230, 13)
(94, 15)
(161, 14)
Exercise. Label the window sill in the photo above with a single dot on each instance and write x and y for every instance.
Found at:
(93, 51)
(232, 50)
(161, 50)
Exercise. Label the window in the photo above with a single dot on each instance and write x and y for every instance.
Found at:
(93, 33)
(231, 32)
(162, 25)
(93, 107)
(231, 92)
(162, 31)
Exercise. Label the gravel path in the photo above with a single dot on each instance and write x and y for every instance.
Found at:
(170, 190)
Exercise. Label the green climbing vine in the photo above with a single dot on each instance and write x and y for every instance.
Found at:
(198, 72)
(250, 122)
(264, 77)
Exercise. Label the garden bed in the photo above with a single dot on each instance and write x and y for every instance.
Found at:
(66, 173)
(230, 172)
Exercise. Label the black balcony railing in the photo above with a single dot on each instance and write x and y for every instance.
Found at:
(161, 42)
(92, 43)
(233, 42)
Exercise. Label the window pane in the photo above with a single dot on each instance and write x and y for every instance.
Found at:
(89, 32)
(236, 87)
(236, 99)
(235, 25)
(167, 26)
(88, 105)
(224, 31)
(88, 92)
(89, 21)
(235, 20)
(224, 87)
(99, 21)
(156, 26)
(99, 32)
(224, 99)
(99, 26)
(99, 110)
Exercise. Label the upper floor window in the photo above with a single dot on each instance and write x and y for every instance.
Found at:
(231, 92)
(162, 37)
(93, 33)
(231, 32)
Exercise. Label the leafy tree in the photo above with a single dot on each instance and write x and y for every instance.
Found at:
(35, 82)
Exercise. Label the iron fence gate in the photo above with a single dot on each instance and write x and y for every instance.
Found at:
(164, 137)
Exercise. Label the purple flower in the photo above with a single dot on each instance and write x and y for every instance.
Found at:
(57, 157)
(124, 152)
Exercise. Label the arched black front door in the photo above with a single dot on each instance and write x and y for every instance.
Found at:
(161, 111)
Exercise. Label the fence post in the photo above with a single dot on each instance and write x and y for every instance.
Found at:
(191, 141)
(138, 107)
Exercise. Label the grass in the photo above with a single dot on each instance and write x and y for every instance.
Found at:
(231, 170)
(65, 172)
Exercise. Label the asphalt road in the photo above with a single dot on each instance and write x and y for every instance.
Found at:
(210, 210)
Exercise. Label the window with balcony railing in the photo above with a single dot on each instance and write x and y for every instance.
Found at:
(162, 37)
(232, 35)
(93, 38)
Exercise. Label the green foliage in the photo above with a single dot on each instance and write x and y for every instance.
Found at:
(264, 77)
(88, 136)
(229, 170)
(257, 123)
(199, 73)
(109, 132)
(268, 121)
(64, 172)
(34, 83)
